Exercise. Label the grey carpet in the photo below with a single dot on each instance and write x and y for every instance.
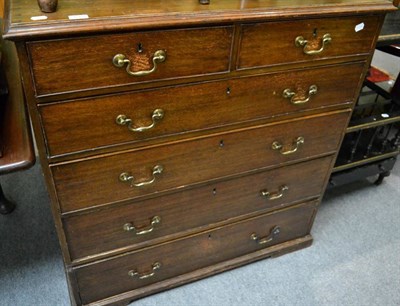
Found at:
(355, 258)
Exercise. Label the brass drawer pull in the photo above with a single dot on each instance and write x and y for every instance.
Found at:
(155, 266)
(289, 94)
(129, 227)
(301, 42)
(157, 115)
(120, 60)
(296, 144)
(274, 195)
(126, 177)
(275, 231)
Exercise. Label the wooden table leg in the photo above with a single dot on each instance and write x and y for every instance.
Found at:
(6, 206)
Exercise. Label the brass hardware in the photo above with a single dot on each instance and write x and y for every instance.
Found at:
(120, 60)
(126, 177)
(275, 231)
(289, 94)
(157, 115)
(274, 195)
(278, 146)
(155, 266)
(129, 227)
(301, 42)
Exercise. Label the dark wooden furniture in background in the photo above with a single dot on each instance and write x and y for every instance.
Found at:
(16, 149)
(179, 140)
(372, 142)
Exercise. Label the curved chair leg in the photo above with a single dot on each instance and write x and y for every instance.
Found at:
(6, 206)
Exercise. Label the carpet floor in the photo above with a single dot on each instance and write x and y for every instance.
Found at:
(354, 260)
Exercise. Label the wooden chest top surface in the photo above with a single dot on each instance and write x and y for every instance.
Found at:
(117, 15)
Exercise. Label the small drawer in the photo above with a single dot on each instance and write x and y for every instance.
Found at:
(284, 42)
(137, 173)
(159, 263)
(140, 223)
(96, 62)
(159, 114)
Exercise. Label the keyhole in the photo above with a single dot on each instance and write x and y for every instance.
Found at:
(139, 47)
(209, 236)
(221, 143)
(228, 91)
(215, 191)
(315, 32)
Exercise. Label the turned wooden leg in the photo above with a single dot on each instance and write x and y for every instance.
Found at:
(6, 206)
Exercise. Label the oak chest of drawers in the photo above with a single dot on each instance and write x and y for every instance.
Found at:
(181, 140)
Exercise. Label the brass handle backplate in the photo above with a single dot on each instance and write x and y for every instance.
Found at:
(301, 42)
(126, 177)
(276, 145)
(289, 94)
(120, 60)
(157, 115)
(274, 195)
(275, 231)
(129, 227)
(135, 273)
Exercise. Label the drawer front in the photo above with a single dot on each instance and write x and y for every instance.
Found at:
(273, 43)
(85, 63)
(118, 177)
(73, 126)
(191, 209)
(191, 253)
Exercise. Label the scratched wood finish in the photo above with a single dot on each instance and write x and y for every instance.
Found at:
(193, 161)
(85, 63)
(190, 209)
(274, 42)
(188, 254)
(72, 127)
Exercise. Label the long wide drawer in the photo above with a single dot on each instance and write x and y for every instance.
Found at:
(85, 63)
(283, 42)
(155, 264)
(140, 223)
(73, 126)
(137, 173)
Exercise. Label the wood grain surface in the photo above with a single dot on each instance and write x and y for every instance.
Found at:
(274, 43)
(102, 231)
(221, 89)
(188, 254)
(85, 63)
(73, 127)
(95, 181)
(120, 15)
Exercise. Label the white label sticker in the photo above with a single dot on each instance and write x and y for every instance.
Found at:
(35, 18)
(359, 27)
(385, 115)
(75, 17)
